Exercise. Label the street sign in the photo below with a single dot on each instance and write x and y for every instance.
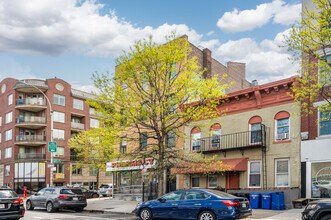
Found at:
(51, 146)
(57, 161)
(50, 165)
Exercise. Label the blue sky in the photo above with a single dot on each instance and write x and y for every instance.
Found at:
(71, 39)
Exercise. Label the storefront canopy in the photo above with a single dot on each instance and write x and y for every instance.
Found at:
(218, 166)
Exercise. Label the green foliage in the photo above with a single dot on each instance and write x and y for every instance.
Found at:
(157, 89)
(310, 41)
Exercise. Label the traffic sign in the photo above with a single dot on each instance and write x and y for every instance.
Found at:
(50, 165)
(57, 161)
(51, 146)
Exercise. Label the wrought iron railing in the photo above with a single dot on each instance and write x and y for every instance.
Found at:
(239, 140)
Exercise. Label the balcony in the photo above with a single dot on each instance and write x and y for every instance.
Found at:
(235, 141)
(30, 140)
(32, 122)
(31, 104)
(30, 156)
(77, 126)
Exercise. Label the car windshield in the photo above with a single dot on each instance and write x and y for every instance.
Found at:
(220, 193)
(66, 191)
(7, 194)
(104, 186)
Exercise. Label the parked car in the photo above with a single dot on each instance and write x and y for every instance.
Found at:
(195, 204)
(87, 192)
(317, 210)
(105, 189)
(54, 198)
(11, 205)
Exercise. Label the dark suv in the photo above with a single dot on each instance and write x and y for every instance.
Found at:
(317, 210)
(54, 198)
(11, 206)
(88, 193)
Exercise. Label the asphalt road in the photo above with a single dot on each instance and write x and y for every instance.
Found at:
(41, 214)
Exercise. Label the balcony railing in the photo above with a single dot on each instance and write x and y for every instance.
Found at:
(31, 119)
(30, 156)
(240, 140)
(31, 101)
(76, 125)
(30, 138)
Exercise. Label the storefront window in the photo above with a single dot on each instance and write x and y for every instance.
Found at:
(321, 180)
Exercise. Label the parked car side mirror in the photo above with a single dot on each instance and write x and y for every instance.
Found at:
(161, 200)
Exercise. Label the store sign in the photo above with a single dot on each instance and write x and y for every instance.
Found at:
(58, 176)
(130, 165)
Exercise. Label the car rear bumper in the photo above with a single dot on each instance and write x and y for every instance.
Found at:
(12, 214)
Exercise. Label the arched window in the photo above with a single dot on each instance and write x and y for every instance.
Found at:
(255, 134)
(215, 136)
(282, 126)
(196, 139)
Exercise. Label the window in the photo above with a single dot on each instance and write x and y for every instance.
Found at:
(196, 139)
(58, 117)
(143, 141)
(254, 174)
(212, 181)
(59, 152)
(9, 117)
(0, 154)
(123, 146)
(76, 170)
(9, 135)
(282, 172)
(324, 123)
(93, 171)
(215, 136)
(171, 139)
(282, 121)
(10, 99)
(8, 152)
(7, 170)
(94, 123)
(173, 196)
(78, 104)
(0, 120)
(59, 168)
(324, 69)
(0, 137)
(255, 135)
(193, 195)
(59, 100)
(92, 111)
(195, 182)
(58, 134)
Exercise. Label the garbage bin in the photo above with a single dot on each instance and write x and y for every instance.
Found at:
(255, 200)
(277, 201)
(266, 200)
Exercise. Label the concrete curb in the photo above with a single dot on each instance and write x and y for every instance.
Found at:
(108, 211)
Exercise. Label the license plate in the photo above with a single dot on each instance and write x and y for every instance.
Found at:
(2, 206)
(244, 205)
(75, 198)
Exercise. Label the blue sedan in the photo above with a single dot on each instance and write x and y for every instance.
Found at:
(195, 204)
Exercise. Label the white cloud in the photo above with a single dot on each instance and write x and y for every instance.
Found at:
(265, 61)
(277, 10)
(58, 26)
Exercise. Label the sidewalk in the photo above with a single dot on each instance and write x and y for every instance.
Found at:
(126, 207)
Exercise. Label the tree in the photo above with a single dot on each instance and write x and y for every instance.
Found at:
(93, 148)
(156, 90)
(310, 41)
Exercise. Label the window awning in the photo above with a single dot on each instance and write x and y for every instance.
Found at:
(219, 166)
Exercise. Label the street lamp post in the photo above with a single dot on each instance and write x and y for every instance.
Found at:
(52, 126)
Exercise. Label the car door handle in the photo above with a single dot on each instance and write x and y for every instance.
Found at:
(197, 204)
(174, 204)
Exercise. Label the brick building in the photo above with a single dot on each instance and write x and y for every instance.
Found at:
(25, 130)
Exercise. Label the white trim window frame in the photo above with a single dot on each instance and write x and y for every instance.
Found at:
(276, 129)
(282, 173)
(254, 173)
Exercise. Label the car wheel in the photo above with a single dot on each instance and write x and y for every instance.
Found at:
(206, 215)
(326, 217)
(146, 214)
(50, 207)
(95, 195)
(29, 205)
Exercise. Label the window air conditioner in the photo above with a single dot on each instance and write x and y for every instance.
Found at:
(283, 136)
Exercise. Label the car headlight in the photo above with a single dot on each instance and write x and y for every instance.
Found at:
(311, 206)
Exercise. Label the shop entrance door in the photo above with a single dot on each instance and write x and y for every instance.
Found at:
(232, 180)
